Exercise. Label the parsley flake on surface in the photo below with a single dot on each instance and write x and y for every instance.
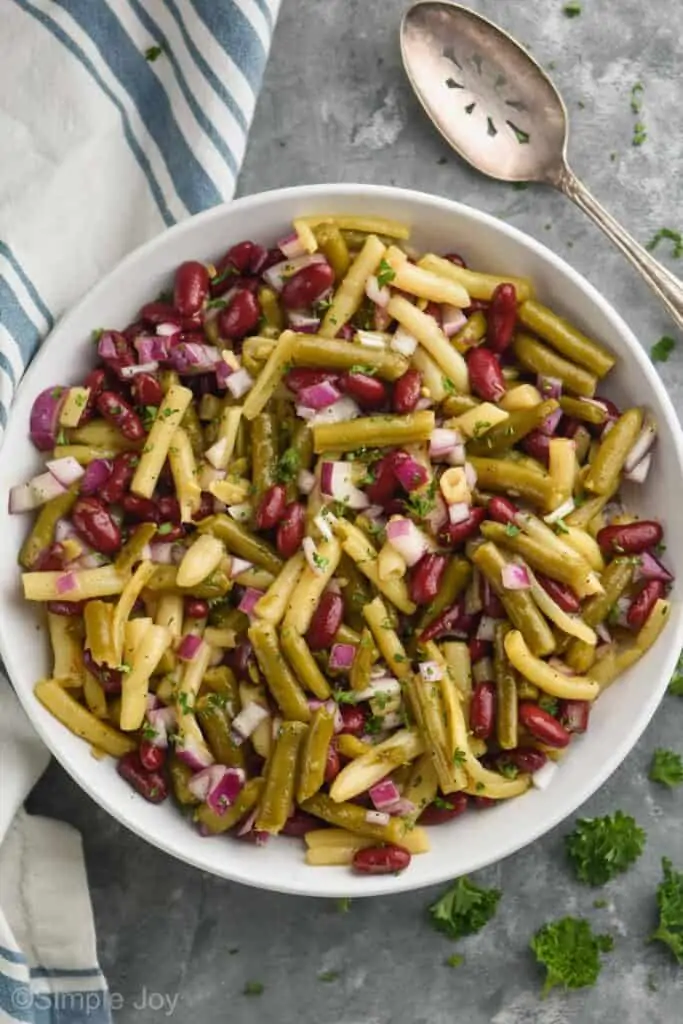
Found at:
(570, 952)
(666, 768)
(637, 98)
(459, 757)
(662, 349)
(572, 9)
(639, 134)
(454, 960)
(328, 976)
(343, 904)
(670, 905)
(676, 684)
(464, 908)
(668, 235)
(253, 988)
(153, 53)
(600, 848)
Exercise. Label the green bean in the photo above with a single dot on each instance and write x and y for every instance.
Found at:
(215, 724)
(306, 668)
(281, 774)
(538, 358)
(356, 239)
(583, 515)
(346, 635)
(163, 579)
(470, 333)
(181, 774)
(513, 478)
(565, 338)
(193, 428)
(297, 456)
(314, 753)
(221, 681)
(615, 579)
(288, 695)
(356, 594)
(311, 350)
(366, 656)
(271, 311)
(454, 581)
(352, 817)
(456, 405)
(573, 571)
(506, 691)
(43, 532)
(603, 475)
(582, 442)
(582, 410)
(245, 802)
(241, 542)
(333, 246)
(132, 551)
(376, 431)
(504, 435)
(264, 453)
(518, 604)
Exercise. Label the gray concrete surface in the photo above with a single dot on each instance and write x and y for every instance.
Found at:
(336, 106)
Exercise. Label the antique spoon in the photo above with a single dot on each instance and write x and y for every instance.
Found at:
(499, 110)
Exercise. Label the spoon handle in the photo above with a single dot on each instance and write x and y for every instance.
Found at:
(668, 288)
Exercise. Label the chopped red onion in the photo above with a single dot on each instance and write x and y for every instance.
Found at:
(341, 656)
(486, 630)
(387, 686)
(223, 793)
(379, 294)
(249, 599)
(515, 577)
(240, 513)
(152, 349)
(291, 247)
(239, 382)
(443, 441)
(342, 411)
(64, 530)
(66, 470)
(223, 371)
(189, 646)
(470, 475)
(423, 403)
(311, 555)
(550, 387)
(305, 481)
(249, 719)
(336, 481)
(305, 323)
(377, 818)
(542, 778)
(459, 512)
(201, 784)
(650, 568)
(482, 670)
(406, 538)
(372, 339)
(403, 342)
(133, 371)
(239, 565)
(410, 473)
(638, 475)
(160, 553)
(431, 671)
(162, 721)
(248, 823)
(193, 752)
(216, 453)
(457, 457)
(276, 275)
(549, 425)
(95, 475)
(603, 633)
(646, 438)
(560, 512)
(452, 319)
(383, 794)
(189, 357)
(319, 396)
(66, 583)
(106, 346)
(325, 521)
(44, 421)
(561, 666)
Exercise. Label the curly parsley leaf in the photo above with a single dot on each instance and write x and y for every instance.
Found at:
(385, 274)
(464, 908)
(666, 767)
(601, 848)
(288, 466)
(662, 349)
(668, 235)
(570, 952)
(670, 904)
(153, 53)
(572, 9)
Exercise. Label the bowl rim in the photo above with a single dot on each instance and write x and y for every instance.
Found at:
(512, 842)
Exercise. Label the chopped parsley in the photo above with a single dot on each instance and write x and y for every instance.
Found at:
(670, 904)
(549, 704)
(459, 757)
(385, 274)
(443, 805)
(367, 371)
(464, 908)
(511, 530)
(97, 334)
(153, 53)
(216, 304)
(320, 562)
(570, 952)
(164, 529)
(344, 696)
(288, 466)
(572, 9)
(637, 98)
(601, 848)
(448, 386)
(62, 438)
(520, 186)
(343, 904)
(454, 960)
(666, 768)
(229, 271)
(662, 349)
(253, 988)
(561, 526)
(480, 427)
(424, 502)
(668, 235)
(599, 904)
(186, 703)
(328, 976)
(639, 134)
(148, 732)
(373, 725)
(509, 771)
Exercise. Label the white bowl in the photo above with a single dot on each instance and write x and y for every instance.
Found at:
(620, 715)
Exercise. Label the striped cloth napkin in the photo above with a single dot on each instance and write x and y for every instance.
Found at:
(118, 118)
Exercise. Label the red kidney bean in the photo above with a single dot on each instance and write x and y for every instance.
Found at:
(291, 529)
(369, 392)
(537, 445)
(142, 510)
(51, 559)
(631, 539)
(96, 382)
(501, 510)
(125, 356)
(491, 603)
(300, 823)
(384, 485)
(271, 507)
(240, 659)
(479, 649)
(455, 534)
(151, 758)
(542, 725)
(501, 317)
(486, 376)
(240, 317)
(407, 390)
(453, 620)
(146, 389)
(95, 525)
(381, 860)
(170, 533)
(307, 286)
(525, 759)
(206, 507)
(68, 608)
(246, 257)
(151, 785)
(425, 578)
(327, 618)
(119, 412)
(109, 678)
(303, 377)
(642, 605)
(456, 258)
(433, 309)
(169, 509)
(483, 710)
(190, 288)
(560, 593)
(353, 719)
(123, 470)
(613, 414)
(482, 803)
(332, 763)
(448, 808)
(574, 715)
(196, 608)
(161, 313)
